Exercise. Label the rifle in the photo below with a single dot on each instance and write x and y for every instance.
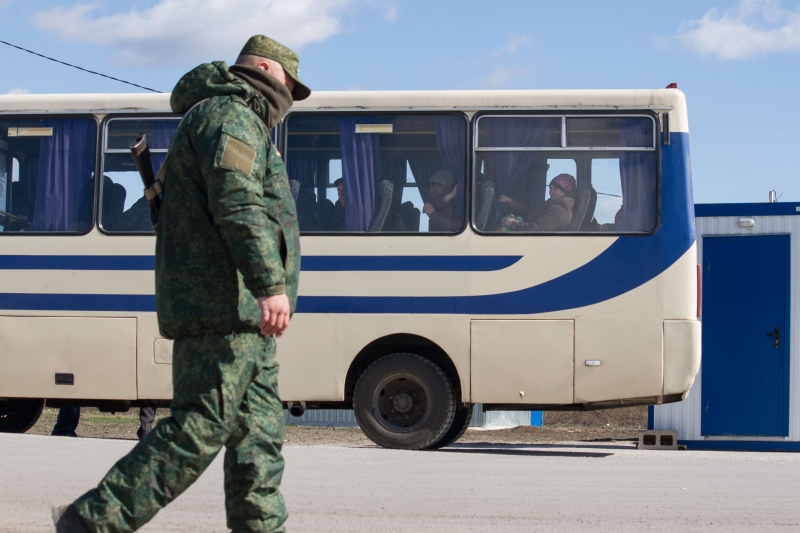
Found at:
(152, 187)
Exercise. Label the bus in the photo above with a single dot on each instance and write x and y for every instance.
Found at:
(516, 249)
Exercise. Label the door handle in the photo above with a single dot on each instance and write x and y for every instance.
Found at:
(776, 336)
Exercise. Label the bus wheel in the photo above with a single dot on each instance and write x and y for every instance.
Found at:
(404, 401)
(18, 416)
(457, 429)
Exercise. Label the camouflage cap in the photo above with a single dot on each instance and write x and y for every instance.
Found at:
(260, 45)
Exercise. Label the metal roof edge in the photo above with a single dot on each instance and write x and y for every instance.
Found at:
(747, 210)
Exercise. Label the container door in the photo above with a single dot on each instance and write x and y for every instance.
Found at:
(745, 336)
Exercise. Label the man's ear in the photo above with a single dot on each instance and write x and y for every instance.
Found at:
(266, 67)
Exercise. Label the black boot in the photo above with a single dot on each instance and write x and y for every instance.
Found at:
(67, 520)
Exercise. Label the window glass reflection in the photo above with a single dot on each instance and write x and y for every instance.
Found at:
(398, 173)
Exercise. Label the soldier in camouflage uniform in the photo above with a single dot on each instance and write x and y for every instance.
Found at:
(227, 266)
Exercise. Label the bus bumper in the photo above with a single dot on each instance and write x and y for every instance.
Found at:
(681, 355)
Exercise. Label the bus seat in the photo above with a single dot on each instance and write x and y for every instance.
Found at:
(585, 202)
(407, 218)
(294, 186)
(306, 205)
(379, 222)
(586, 225)
(325, 214)
(114, 196)
(486, 203)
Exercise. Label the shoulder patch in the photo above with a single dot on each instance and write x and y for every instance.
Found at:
(237, 155)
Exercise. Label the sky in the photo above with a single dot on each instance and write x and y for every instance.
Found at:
(736, 60)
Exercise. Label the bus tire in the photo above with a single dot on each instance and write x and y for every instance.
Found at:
(18, 416)
(404, 401)
(460, 424)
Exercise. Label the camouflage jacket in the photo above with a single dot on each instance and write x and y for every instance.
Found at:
(227, 230)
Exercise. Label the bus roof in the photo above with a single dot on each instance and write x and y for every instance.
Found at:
(671, 100)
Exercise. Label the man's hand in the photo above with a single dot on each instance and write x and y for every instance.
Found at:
(504, 199)
(275, 312)
(510, 222)
(428, 209)
(452, 194)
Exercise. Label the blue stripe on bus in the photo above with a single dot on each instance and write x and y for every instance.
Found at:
(77, 262)
(408, 263)
(627, 264)
(78, 302)
(313, 263)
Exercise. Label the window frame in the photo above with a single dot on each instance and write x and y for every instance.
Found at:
(283, 134)
(148, 115)
(572, 113)
(96, 166)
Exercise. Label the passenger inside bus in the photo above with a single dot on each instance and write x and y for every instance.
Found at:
(553, 215)
(386, 164)
(442, 189)
(338, 219)
(123, 207)
(611, 162)
(46, 169)
(616, 225)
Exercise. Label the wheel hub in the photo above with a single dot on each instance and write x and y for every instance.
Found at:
(401, 402)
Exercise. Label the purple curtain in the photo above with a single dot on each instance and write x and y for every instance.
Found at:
(163, 131)
(393, 170)
(451, 139)
(360, 164)
(301, 169)
(423, 169)
(64, 176)
(507, 168)
(637, 172)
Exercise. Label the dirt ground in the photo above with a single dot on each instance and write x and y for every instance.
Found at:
(582, 426)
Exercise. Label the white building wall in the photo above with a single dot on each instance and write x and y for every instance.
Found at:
(685, 416)
(346, 418)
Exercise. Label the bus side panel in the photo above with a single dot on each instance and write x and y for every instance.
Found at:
(97, 354)
(522, 361)
(307, 354)
(626, 335)
(154, 361)
(318, 349)
(621, 338)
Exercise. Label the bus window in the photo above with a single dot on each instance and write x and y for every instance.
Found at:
(377, 173)
(4, 181)
(124, 207)
(46, 181)
(546, 174)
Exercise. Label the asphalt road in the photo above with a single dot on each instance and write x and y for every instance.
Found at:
(470, 488)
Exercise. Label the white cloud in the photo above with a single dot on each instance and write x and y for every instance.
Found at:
(19, 90)
(504, 70)
(179, 31)
(514, 42)
(752, 28)
(391, 12)
(5, 3)
(502, 76)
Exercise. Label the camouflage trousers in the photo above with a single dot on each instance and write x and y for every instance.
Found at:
(225, 394)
